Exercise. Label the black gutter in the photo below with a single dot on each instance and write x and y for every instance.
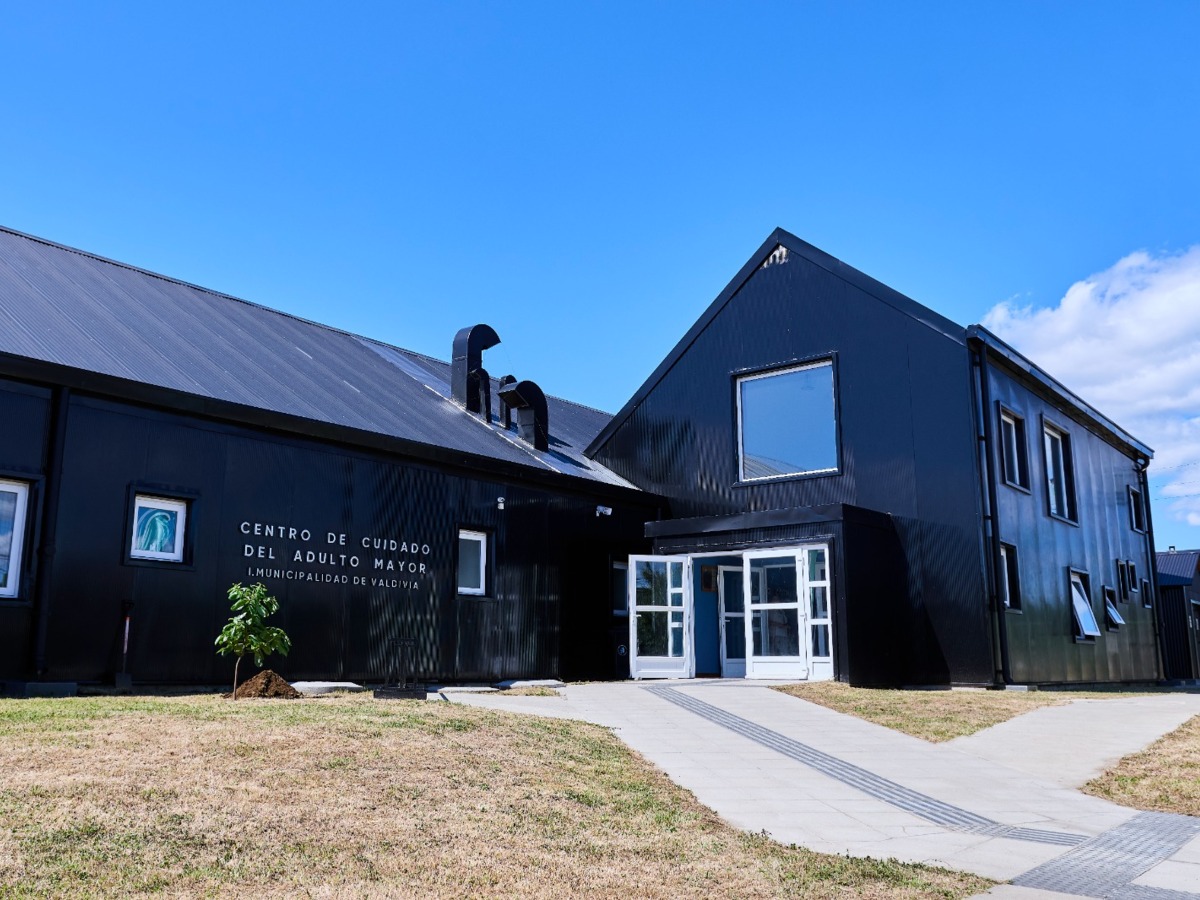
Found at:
(1053, 390)
(992, 514)
(59, 406)
(1152, 559)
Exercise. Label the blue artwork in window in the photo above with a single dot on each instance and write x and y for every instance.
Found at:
(155, 531)
(787, 422)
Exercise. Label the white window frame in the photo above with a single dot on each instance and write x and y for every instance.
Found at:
(16, 555)
(1016, 470)
(816, 364)
(481, 538)
(1136, 506)
(1006, 562)
(1086, 625)
(167, 504)
(1055, 446)
(1110, 609)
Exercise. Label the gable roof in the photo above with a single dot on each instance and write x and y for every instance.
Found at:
(72, 309)
(1046, 384)
(1019, 364)
(1176, 567)
(803, 250)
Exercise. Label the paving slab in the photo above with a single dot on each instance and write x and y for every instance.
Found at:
(1072, 744)
(807, 775)
(317, 688)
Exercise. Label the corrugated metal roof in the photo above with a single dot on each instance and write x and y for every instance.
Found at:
(1176, 566)
(65, 306)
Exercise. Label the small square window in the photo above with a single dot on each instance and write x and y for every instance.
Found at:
(1133, 579)
(1147, 594)
(1060, 474)
(159, 528)
(1014, 458)
(1122, 579)
(14, 503)
(472, 562)
(1081, 606)
(1010, 580)
(1137, 511)
(787, 422)
(1112, 618)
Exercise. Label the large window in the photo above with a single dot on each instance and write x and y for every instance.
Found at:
(1013, 456)
(14, 502)
(1081, 605)
(787, 423)
(159, 528)
(1060, 478)
(472, 562)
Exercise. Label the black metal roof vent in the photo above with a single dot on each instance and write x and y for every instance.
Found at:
(470, 386)
(505, 409)
(527, 399)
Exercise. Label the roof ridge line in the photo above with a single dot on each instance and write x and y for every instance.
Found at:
(188, 284)
(270, 309)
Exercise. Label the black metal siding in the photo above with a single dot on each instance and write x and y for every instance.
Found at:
(236, 475)
(1176, 633)
(1041, 638)
(906, 432)
(25, 412)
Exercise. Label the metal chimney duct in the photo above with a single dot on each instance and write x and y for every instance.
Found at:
(470, 386)
(529, 403)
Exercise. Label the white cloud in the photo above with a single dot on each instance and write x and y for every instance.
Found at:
(1127, 340)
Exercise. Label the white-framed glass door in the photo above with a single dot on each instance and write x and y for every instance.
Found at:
(820, 621)
(660, 621)
(732, 615)
(788, 625)
(775, 618)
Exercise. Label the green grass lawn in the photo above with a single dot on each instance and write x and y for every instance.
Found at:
(348, 796)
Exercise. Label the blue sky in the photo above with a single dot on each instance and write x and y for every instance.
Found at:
(587, 177)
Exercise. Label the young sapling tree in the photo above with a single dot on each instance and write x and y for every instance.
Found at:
(246, 631)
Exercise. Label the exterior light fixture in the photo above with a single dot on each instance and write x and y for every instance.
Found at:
(604, 510)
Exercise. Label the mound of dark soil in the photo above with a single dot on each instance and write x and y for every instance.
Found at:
(267, 684)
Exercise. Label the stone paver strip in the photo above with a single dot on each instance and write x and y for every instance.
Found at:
(921, 805)
(805, 774)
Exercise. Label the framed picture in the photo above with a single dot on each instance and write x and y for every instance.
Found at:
(708, 579)
(159, 526)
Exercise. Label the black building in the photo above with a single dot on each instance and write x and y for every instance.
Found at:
(1179, 609)
(860, 488)
(823, 479)
(162, 441)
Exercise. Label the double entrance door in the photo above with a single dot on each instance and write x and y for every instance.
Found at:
(773, 615)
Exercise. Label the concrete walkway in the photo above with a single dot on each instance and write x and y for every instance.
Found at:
(1001, 803)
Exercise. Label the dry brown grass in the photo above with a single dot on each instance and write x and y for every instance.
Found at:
(1165, 777)
(932, 715)
(348, 796)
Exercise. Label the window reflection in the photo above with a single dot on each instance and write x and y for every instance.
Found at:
(787, 424)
